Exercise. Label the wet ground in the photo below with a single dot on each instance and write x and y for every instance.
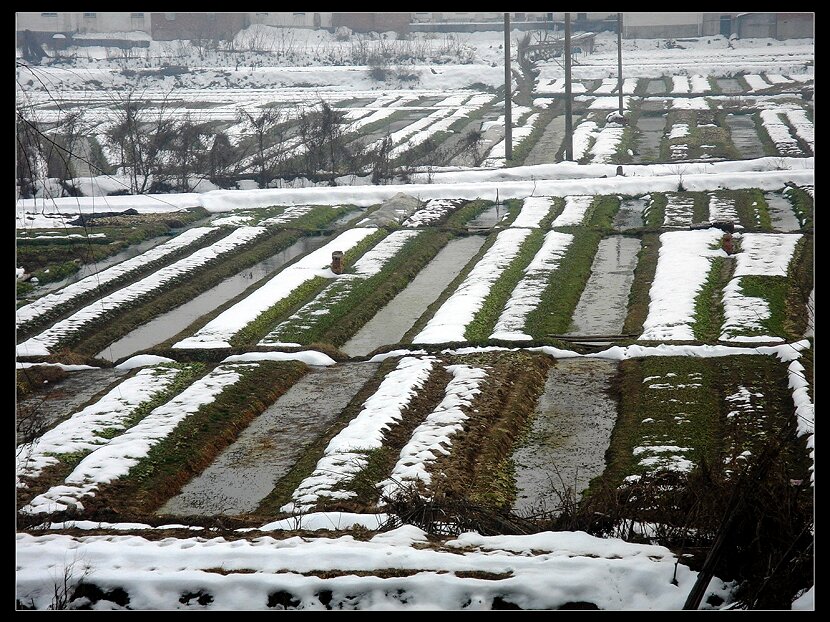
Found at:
(729, 86)
(651, 130)
(247, 471)
(68, 396)
(489, 218)
(630, 214)
(602, 308)
(656, 87)
(781, 212)
(398, 316)
(173, 322)
(744, 135)
(544, 151)
(565, 447)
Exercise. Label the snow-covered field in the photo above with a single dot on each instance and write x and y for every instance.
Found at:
(450, 79)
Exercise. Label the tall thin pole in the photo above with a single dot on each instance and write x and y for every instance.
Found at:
(508, 92)
(569, 141)
(619, 60)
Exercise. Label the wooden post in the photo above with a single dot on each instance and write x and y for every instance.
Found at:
(508, 92)
(569, 140)
(619, 60)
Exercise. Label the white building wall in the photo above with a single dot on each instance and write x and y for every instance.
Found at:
(292, 20)
(85, 22)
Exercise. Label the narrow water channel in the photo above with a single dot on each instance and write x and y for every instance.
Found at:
(391, 323)
(489, 218)
(781, 212)
(651, 130)
(247, 471)
(744, 135)
(729, 86)
(565, 447)
(602, 308)
(171, 323)
(630, 214)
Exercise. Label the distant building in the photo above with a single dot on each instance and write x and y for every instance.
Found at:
(196, 26)
(73, 22)
(372, 22)
(775, 25)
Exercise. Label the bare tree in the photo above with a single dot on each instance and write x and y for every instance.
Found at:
(322, 134)
(140, 134)
(269, 149)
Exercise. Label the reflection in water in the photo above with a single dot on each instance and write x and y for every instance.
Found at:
(565, 447)
(173, 322)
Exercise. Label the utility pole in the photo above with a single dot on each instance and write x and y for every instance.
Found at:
(619, 61)
(508, 92)
(569, 139)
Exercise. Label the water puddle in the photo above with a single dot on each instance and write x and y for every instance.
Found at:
(569, 435)
(544, 151)
(65, 398)
(602, 308)
(173, 322)
(489, 218)
(651, 130)
(656, 87)
(630, 214)
(247, 471)
(729, 86)
(391, 323)
(781, 212)
(744, 135)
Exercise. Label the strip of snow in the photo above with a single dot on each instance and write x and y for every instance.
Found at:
(534, 210)
(115, 459)
(803, 126)
(766, 254)
(700, 84)
(679, 211)
(366, 267)
(43, 343)
(527, 294)
(723, 209)
(143, 360)
(82, 431)
(682, 268)
(804, 409)
(574, 212)
(346, 453)
(680, 84)
(606, 143)
(610, 103)
(33, 310)
(433, 211)
(679, 130)
(779, 133)
(584, 135)
(690, 103)
(217, 332)
(309, 357)
(542, 571)
(756, 82)
(450, 321)
(433, 435)
(19, 365)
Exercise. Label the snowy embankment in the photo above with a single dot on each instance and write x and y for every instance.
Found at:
(756, 82)
(432, 212)
(120, 454)
(364, 268)
(434, 435)
(679, 211)
(534, 210)
(762, 254)
(606, 144)
(42, 344)
(84, 431)
(803, 127)
(347, 453)
(527, 294)
(450, 321)
(560, 179)
(722, 209)
(682, 268)
(574, 213)
(217, 332)
(541, 571)
(33, 310)
(584, 136)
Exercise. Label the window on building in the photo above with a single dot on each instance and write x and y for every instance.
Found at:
(169, 16)
(48, 14)
(263, 14)
(90, 15)
(299, 13)
(581, 17)
(137, 15)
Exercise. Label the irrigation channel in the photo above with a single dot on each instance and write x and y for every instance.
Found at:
(744, 135)
(651, 130)
(70, 395)
(569, 434)
(603, 305)
(545, 150)
(630, 214)
(390, 323)
(781, 212)
(173, 322)
(488, 219)
(729, 86)
(247, 471)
